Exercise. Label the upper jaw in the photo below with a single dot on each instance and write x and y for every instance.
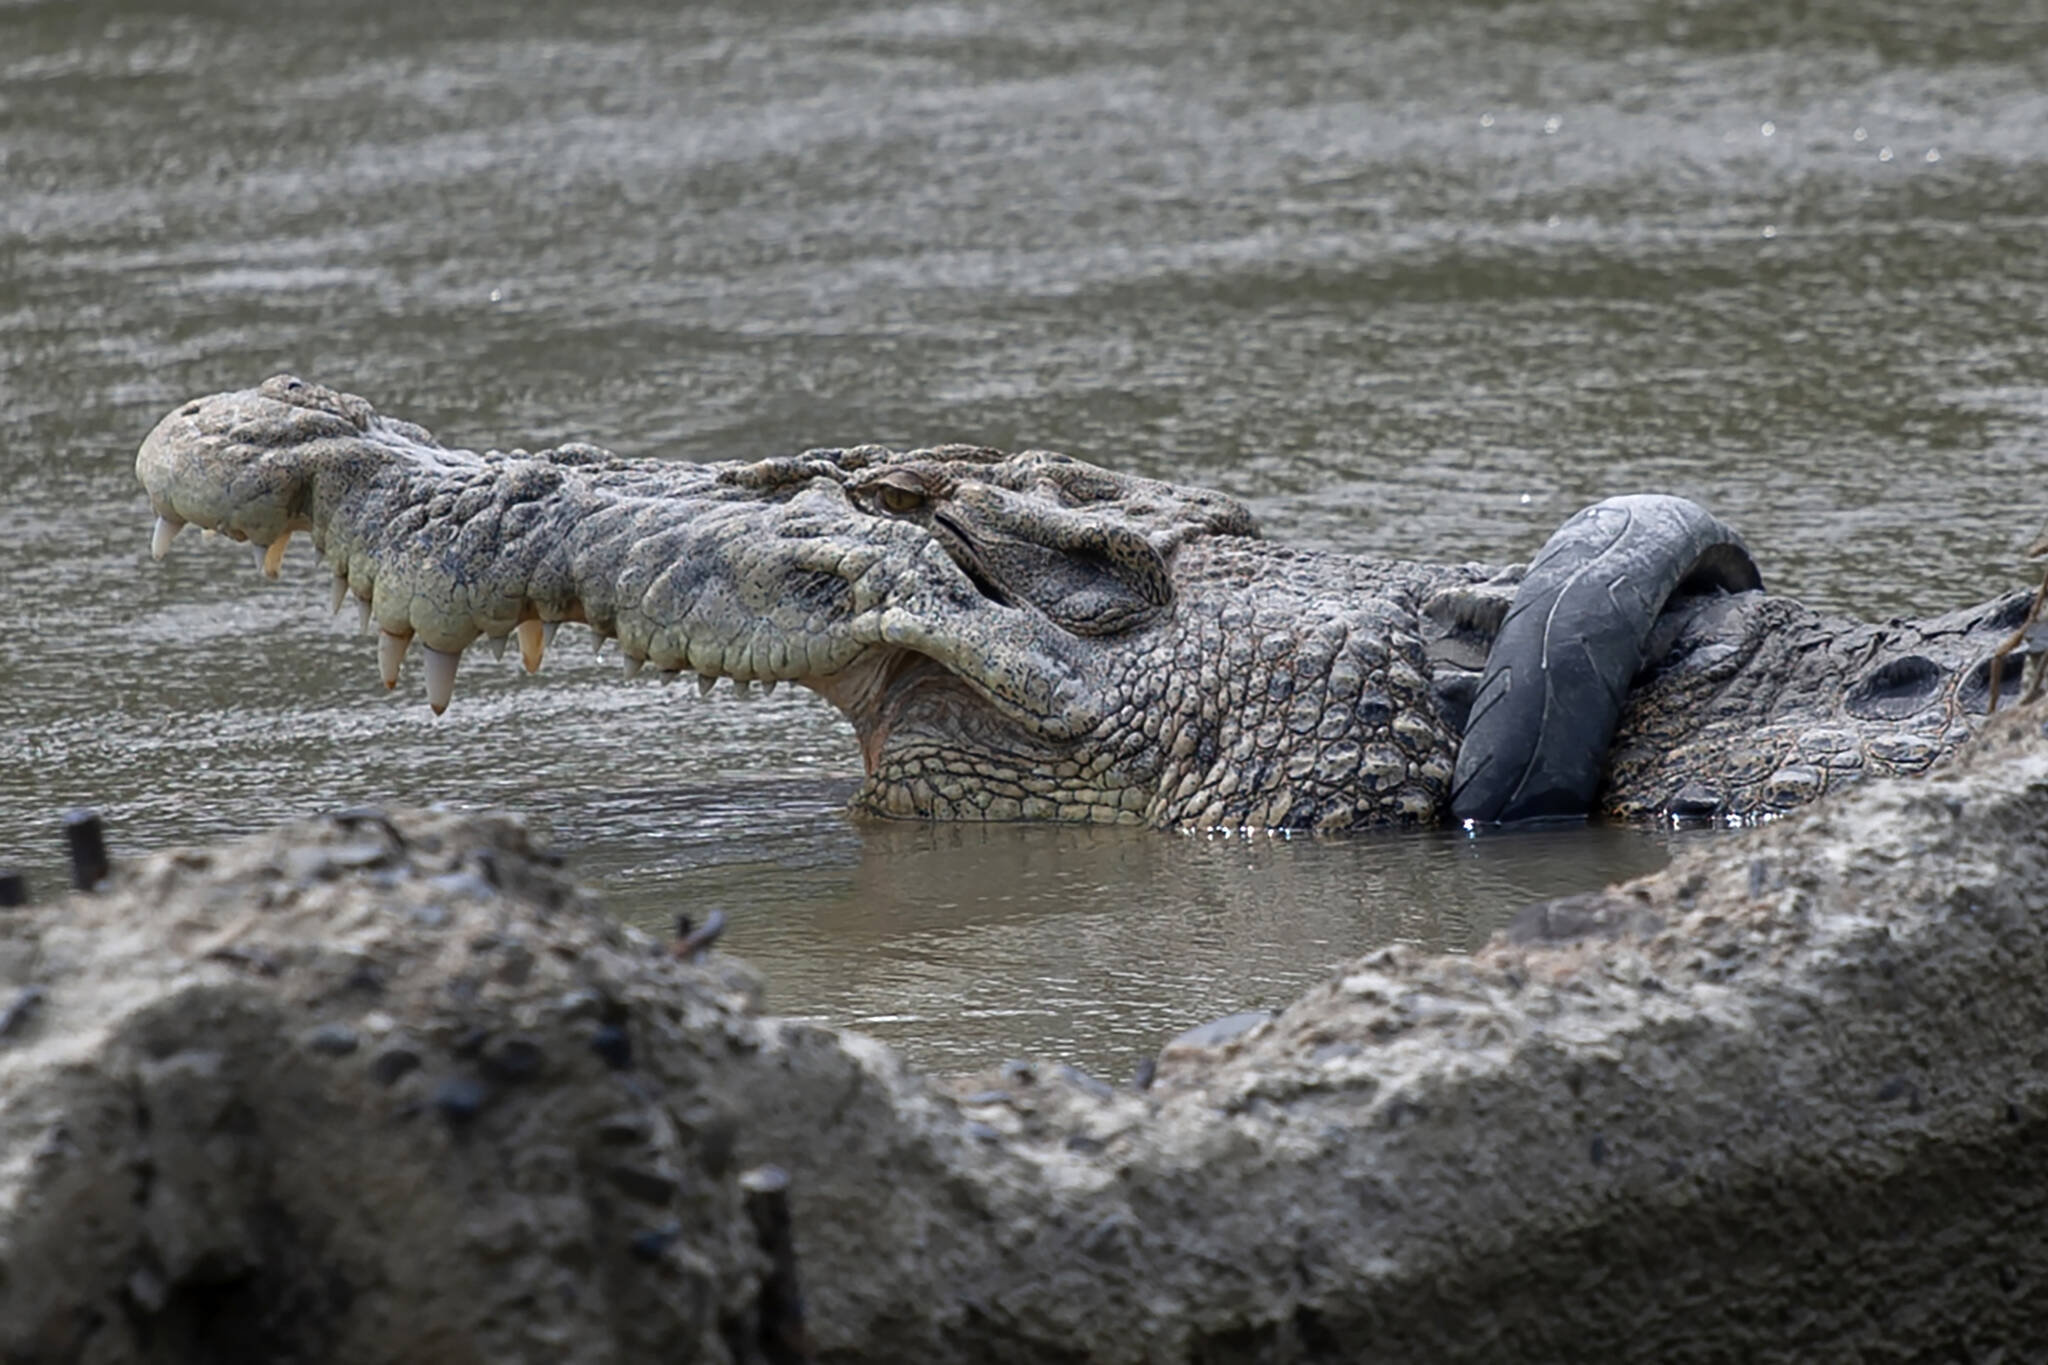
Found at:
(687, 565)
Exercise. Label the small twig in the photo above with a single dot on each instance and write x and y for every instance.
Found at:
(691, 942)
(368, 815)
(88, 841)
(783, 1337)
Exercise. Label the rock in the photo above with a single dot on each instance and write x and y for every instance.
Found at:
(1779, 1101)
(615, 1045)
(510, 1061)
(460, 1099)
(173, 1183)
(332, 1040)
(392, 1063)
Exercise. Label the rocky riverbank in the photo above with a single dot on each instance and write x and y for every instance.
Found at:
(384, 1087)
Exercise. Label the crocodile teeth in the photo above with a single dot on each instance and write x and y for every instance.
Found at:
(547, 631)
(390, 650)
(669, 675)
(768, 688)
(496, 644)
(533, 642)
(272, 559)
(362, 614)
(633, 667)
(440, 677)
(598, 648)
(340, 594)
(705, 682)
(207, 533)
(256, 557)
(160, 539)
(742, 688)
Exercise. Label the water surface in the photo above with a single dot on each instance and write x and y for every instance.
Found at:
(1410, 278)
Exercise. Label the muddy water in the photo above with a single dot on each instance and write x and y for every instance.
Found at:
(1411, 277)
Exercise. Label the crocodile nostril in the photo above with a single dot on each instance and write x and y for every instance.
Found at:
(191, 409)
(1895, 689)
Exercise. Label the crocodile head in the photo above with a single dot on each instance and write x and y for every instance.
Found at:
(969, 613)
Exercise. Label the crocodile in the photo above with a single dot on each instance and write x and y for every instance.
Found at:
(1032, 637)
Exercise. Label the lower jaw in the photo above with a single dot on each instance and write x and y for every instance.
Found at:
(921, 798)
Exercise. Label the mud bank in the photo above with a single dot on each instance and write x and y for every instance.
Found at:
(378, 1088)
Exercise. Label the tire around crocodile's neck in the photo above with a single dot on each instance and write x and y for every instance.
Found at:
(1572, 641)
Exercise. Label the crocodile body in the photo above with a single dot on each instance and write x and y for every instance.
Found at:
(1032, 637)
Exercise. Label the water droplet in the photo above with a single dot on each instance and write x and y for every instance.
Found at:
(1486, 120)
(1860, 134)
(1552, 221)
(1884, 154)
(1526, 500)
(1552, 124)
(1933, 155)
(1769, 129)
(1770, 231)
(497, 297)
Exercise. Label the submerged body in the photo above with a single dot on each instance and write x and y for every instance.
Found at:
(1031, 637)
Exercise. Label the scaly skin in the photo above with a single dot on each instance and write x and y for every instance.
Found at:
(1759, 705)
(1021, 637)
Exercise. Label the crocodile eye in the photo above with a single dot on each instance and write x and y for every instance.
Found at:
(896, 498)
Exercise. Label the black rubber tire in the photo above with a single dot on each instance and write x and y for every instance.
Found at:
(1551, 693)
